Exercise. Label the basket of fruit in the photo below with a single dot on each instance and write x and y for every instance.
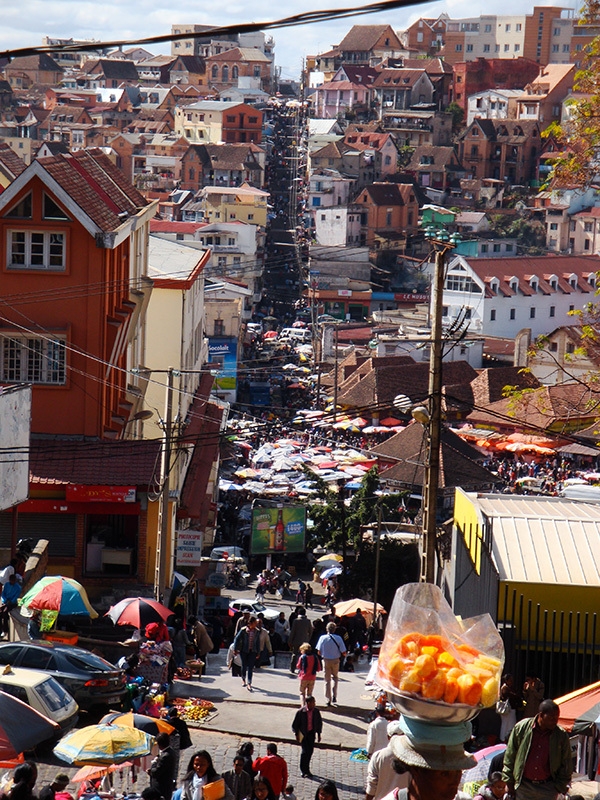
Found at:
(435, 666)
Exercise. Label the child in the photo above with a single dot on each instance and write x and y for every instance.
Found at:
(494, 789)
(288, 794)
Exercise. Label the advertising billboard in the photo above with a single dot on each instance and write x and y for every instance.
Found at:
(223, 350)
(280, 529)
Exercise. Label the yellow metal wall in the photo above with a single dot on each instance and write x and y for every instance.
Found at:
(468, 522)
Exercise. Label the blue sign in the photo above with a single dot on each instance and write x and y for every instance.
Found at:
(223, 350)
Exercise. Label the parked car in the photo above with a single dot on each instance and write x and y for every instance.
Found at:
(253, 607)
(43, 693)
(89, 678)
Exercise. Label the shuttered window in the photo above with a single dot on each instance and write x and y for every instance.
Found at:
(59, 529)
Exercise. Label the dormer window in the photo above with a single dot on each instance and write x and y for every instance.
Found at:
(494, 286)
(514, 285)
(573, 281)
(534, 284)
(553, 282)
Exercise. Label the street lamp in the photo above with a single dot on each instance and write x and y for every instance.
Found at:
(432, 416)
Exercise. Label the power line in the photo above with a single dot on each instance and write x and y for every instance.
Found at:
(305, 18)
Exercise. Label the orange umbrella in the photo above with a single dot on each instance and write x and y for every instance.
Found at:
(91, 772)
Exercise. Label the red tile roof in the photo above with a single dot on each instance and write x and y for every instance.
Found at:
(98, 187)
(95, 463)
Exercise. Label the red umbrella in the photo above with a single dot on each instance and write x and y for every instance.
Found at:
(389, 422)
(138, 611)
(270, 335)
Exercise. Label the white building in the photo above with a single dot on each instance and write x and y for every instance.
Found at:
(175, 324)
(493, 104)
(500, 296)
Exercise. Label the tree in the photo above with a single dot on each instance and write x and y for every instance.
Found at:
(530, 234)
(579, 136)
(330, 513)
(458, 116)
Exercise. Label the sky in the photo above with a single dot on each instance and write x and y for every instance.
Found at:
(24, 23)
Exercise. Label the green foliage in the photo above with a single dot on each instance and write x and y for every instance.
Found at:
(529, 234)
(458, 115)
(328, 515)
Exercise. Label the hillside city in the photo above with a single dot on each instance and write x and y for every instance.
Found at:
(259, 334)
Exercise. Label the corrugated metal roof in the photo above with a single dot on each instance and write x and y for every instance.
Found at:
(544, 539)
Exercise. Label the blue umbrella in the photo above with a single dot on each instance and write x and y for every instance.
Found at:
(329, 573)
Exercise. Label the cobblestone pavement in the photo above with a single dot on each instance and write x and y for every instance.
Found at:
(334, 764)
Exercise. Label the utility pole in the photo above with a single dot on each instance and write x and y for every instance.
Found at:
(376, 585)
(335, 375)
(163, 550)
(434, 425)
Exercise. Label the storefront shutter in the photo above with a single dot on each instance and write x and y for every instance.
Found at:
(59, 529)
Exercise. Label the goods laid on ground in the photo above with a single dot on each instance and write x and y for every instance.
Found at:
(193, 710)
(435, 666)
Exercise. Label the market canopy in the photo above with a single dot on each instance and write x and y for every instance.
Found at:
(348, 607)
(580, 710)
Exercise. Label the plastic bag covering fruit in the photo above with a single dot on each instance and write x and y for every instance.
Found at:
(431, 654)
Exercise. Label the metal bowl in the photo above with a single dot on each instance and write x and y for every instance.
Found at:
(430, 711)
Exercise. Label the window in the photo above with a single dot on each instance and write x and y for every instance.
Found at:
(36, 250)
(513, 313)
(497, 48)
(566, 48)
(552, 311)
(507, 27)
(532, 312)
(571, 308)
(486, 48)
(506, 48)
(444, 311)
(252, 120)
(26, 359)
(469, 48)
(556, 32)
(257, 72)
(225, 73)
(517, 48)
(230, 118)
(219, 327)
(554, 226)
(222, 261)
(496, 247)
(231, 241)
(492, 315)
(553, 347)
(518, 26)
(215, 71)
(458, 48)
(586, 244)
(487, 28)
(484, 248)
(588, 227)
(22, 210)
(235, 72)
(509, 248)
(250, 216)
(570, 348)
(555, 48)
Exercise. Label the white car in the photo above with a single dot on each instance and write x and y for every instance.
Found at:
(254, 608)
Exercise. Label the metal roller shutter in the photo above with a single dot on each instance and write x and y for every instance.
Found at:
(59, 529)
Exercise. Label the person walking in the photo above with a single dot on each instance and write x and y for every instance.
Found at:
(331, 648)
(308, 665)
(383, 774)
(377, 737)
(307, 726)
(247, 644)
(238, 779)
(274, 768)
(8, 600)
(203, 644)
(538, 763)
(162, 770)
(300, 632)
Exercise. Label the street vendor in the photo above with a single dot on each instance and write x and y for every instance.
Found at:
(435, 757)
(154, 656)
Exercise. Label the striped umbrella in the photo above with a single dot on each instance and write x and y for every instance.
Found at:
(21, 727)
(56, 593)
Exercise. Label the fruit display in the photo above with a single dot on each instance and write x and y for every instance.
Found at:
(435, 660)
(193, 709)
